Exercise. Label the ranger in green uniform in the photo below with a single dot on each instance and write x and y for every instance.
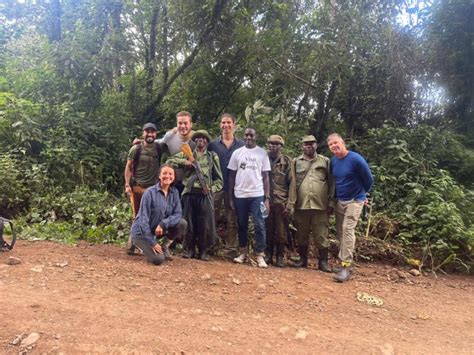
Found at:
(281, 177)
(198, 205)
(313, 195)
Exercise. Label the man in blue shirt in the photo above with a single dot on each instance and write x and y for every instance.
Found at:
(224, 146)
(353, 181)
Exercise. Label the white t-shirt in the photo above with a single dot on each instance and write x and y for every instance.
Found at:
(249, 164)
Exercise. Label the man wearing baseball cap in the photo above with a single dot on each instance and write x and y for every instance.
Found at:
(313, 195)
(281, 177)
(141, 170)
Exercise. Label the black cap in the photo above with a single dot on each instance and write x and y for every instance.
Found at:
(149, 125)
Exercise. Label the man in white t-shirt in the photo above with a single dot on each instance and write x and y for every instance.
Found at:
(249, 186)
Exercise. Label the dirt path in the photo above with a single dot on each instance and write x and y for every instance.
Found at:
(97, 299)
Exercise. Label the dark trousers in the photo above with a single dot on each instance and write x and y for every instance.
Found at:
(170, 233)
(199, 212)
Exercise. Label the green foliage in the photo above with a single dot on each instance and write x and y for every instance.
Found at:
(432, 212)
(81, 214)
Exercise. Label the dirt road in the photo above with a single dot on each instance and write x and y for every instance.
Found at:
(97, 299)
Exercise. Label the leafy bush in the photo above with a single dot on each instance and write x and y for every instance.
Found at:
(81, 214)
(432, 212)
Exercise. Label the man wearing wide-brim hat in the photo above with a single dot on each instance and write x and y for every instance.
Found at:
(312, 194)
(198, 206)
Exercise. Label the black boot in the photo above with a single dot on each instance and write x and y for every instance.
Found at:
(323, 260)
(269, 254)
(279, 256)
(167, 253)
(344, 274)
(303, 251)
(204, 255)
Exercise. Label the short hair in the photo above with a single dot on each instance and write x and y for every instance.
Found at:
(166, 165)
(246, 128)
(335, 135)
(231, 116)
(184, 113)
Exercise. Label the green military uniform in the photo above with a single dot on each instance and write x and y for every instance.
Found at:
(281, 177)
(198, 208)
(312, 194)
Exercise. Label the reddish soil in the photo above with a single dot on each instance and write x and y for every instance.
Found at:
(104, 301)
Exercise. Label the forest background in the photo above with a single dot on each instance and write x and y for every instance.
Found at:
(78, 78)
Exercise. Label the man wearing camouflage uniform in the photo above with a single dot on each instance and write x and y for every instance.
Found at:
(313, 195)
(281, 177)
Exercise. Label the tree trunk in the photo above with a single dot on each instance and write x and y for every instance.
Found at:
(55, 33)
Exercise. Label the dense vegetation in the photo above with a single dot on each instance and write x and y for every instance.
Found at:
(79, 78)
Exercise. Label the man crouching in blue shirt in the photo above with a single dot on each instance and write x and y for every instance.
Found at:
(353, 181)
(159, 216)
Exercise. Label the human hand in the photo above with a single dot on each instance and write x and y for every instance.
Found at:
(136, 141)
(128, 190)
(159, 231)
(157, 249)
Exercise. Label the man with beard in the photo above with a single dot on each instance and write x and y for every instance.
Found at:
(353, 181)
(312, 193)
(249, 188)
(197, 199)
(143, 164)
(224, 146)
(281, 177)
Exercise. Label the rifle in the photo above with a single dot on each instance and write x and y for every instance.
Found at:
(4, 245)
(186, 150)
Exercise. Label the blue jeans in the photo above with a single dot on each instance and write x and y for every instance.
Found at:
(244, 206)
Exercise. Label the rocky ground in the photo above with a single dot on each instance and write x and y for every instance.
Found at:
(94, 298)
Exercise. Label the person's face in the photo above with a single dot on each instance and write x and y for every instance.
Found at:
(337, 146)
(274, 148)
(309, 148)
(184, 125)
(227, 125)
(250, 138)
(166, 176)
(149, 135)
(201, 142)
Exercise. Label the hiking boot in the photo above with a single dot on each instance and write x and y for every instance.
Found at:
(303, 262)
(344, 274)
(204, 256)
(261, 261)
(242, 258)
(189, 254)
(167, 253)
(323, 261)
(130, 246)
(268, 258)
(279, 261)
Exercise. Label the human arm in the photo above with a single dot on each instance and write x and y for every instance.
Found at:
(232, 174)
(290, 205)
(365, 174)
(266, 188)
(128, 176)
(331, 190)
(176, 213)
(216, 175)
(178, 160)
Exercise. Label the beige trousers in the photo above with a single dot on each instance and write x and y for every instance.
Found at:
(347, 216)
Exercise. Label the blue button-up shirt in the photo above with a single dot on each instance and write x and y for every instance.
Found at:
(224, 153)
(156, 209)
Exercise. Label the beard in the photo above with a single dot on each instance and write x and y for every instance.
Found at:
(149, 139)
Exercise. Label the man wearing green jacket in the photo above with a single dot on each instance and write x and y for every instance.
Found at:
(198, 206)
(312, 194)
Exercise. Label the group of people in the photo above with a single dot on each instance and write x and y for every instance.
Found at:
(202, 175)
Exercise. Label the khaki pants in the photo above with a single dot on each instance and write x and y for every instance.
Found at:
(231, 240)
(347, 216)
(314, 222)
(136, 198)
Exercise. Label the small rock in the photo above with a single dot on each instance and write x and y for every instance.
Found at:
(261, 286)
(121, 288)
(401, 274)
(13, 261)
(301, 334)
(61, 265)
(30, 340)
(414, 272)
(387, 349)
(216, 329)
(206, 277)
(37, 268)
(236, 281)
(284, 329)
(17, 340)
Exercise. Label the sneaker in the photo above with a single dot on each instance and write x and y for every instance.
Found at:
(242, 258)
(261, 261)
(130, 246)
